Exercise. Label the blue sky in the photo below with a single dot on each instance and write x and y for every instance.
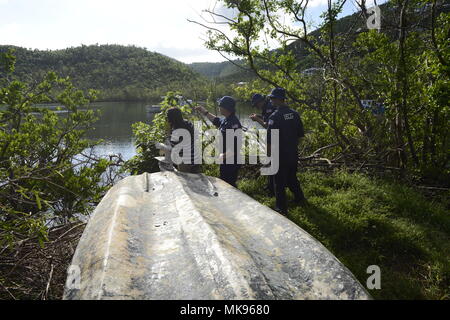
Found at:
(159, 26)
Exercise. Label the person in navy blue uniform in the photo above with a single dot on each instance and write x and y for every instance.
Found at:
(263, 103)
(290, 127)
(230, 168)
(176, 121)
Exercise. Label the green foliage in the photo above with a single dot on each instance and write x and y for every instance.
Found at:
(118, 72)
(366, 221)
(45, 177)
(362, 221)
(214, 70)
(7, 62)
(420, 97)
(146, 135)
(408, 72)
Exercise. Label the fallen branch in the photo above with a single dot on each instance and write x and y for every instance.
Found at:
(48, 283)
(316, 154)
(434, 188)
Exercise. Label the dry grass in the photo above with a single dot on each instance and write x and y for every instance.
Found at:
(29, 271)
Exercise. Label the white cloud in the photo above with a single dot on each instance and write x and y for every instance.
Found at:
(317, 3)
(52, 24)
(156, 25)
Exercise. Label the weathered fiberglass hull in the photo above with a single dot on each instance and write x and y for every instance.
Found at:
(171, 235)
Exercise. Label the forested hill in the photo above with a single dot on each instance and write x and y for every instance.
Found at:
(216, 69)
(119, 72)
(226, 71)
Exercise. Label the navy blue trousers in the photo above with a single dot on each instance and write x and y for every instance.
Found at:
(229, 173)
(287, 177)
(270, 186)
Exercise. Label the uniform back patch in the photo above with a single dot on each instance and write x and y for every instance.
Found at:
(288, 116)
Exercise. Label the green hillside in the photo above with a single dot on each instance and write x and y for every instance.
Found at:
(119, 72)
(220, 70)
(213, 69)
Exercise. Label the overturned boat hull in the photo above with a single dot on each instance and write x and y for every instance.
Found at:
(171, 235)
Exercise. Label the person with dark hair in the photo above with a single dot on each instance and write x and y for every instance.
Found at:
(176, 121)
(265, 106)
(287, 121)
(229, 168)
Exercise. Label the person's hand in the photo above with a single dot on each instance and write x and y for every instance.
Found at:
(162, 146)
(226, 155)
(254, 117)
(200, 109)
(223, 157)
(159, 145)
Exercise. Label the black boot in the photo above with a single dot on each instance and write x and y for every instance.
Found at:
(302, 202)
(281, 211)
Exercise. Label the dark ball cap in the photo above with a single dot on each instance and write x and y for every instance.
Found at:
(278, 93)
(228, 103)
(257, 98)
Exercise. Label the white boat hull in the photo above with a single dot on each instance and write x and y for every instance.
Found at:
(171, 235)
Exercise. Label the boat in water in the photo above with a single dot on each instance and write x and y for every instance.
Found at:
(173, 235)
(153, 108)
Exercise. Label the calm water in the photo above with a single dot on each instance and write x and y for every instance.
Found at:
(114, 125)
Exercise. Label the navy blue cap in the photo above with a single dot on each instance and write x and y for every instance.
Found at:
(278, 93)
(257, 98)
(228, 103)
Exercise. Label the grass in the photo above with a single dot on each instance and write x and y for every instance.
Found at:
(363, 221)
(366, 221)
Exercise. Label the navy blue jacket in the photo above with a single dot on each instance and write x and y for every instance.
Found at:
(190, 127)
(267, 110)
(230, 122)
(290, 127)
